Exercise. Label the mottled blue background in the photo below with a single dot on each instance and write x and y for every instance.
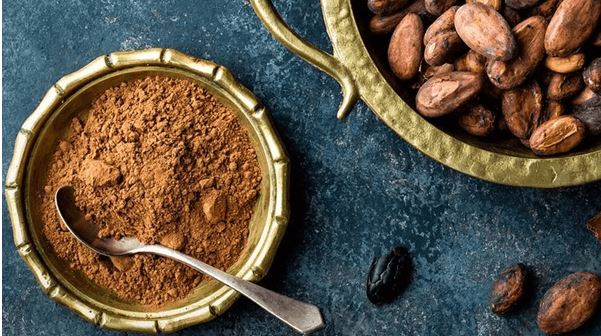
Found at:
(357, 188)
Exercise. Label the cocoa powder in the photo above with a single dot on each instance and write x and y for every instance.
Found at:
(162, 160)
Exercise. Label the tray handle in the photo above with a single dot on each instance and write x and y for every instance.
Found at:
(314, 56)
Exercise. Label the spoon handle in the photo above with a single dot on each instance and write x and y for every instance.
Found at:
(302, 317)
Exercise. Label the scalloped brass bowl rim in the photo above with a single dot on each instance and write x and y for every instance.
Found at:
(258, 259)
(492, 166)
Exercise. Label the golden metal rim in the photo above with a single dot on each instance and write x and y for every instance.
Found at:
(381, 98)
(262, 255)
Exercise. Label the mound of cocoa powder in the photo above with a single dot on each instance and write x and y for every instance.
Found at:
(162, 160)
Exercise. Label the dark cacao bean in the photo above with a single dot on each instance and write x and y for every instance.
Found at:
(388, 276)
(592, 75)
(589, 112)
(509, 288)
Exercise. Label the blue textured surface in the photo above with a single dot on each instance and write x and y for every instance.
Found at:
(357, 188)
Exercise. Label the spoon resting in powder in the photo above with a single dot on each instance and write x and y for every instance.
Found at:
(302, 317)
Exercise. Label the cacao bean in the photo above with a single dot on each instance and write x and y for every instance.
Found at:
(485, 31)
(592, 75)
(477, 120)
(437, 7)
(388, 276)
(521, 4)
(475, 62)
(545, 9)
(566, 64)
(461, 63)
(405, 49)
(522, 109)
(384, 24)
(554, 109)
(443, 23)
(444, 93)
(530, 35)
(384, 7)
(432, 71)
(569, 303)
(496, 4)
(511, 16)
(509, 289)
(589, 112)
(556, 136)
(564, 86)
(443, 47)
(584, 96)
(572, 24)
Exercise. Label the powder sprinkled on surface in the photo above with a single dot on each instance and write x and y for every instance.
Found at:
(162, 160)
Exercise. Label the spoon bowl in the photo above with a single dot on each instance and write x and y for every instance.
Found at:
(85, 231)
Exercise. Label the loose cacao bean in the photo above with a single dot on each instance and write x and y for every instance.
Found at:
(569, 303)
(388, 276)
(509, 289)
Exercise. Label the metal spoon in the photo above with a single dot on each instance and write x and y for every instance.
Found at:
(302, 317)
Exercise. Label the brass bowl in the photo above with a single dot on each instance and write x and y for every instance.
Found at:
(359, 64)
(71, 95)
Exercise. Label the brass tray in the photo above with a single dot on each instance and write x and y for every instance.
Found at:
(362, 71)
(71, 95)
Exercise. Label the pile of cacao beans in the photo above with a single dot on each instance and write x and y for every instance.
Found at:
(528, 67)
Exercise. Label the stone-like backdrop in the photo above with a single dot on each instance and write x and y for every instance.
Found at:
(357, 188)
